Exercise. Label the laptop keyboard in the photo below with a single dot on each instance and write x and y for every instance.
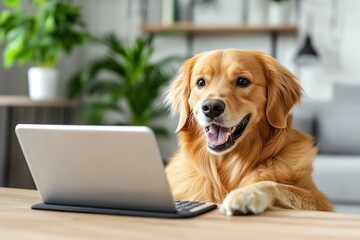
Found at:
(187, 205)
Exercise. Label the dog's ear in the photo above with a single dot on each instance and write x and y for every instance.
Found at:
(283, 92)
(179, 92)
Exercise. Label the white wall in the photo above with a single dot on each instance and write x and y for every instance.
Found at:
(337, 45)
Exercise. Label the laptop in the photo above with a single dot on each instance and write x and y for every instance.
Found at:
(101, 169)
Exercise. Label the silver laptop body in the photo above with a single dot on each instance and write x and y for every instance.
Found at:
(96, 166)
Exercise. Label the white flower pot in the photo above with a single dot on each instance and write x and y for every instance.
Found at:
(43, 83)
(279, 12)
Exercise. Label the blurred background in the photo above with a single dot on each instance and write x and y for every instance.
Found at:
(107, 62)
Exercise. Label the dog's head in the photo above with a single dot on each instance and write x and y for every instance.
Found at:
(229, 92)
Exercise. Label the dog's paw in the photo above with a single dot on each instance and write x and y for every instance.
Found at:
(250, 200)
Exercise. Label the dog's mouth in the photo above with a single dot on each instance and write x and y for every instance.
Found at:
(221, 138)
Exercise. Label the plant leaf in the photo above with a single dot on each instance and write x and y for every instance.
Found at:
(128, 78)
(106, 87)
(4, 16)
(160, 131)
(14, 4)
(14, 47)
(80, 80)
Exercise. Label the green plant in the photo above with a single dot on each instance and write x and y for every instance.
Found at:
(125, 81)
(40, 36)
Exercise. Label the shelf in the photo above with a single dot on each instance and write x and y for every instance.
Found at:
(191, 29)
(24, 101)
(207, 29)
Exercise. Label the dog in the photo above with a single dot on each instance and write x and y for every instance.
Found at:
(237, 147)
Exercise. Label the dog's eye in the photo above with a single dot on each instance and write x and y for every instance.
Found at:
(201, 83)
(242, 82)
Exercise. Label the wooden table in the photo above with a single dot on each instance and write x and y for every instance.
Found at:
(18, 221)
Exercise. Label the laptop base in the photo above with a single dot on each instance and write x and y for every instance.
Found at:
(113, 211)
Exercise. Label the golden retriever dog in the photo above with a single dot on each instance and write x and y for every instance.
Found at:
(237, 147)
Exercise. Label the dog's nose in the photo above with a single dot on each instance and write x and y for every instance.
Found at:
(213, 108)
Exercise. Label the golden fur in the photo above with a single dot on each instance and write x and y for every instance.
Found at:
(270, 164)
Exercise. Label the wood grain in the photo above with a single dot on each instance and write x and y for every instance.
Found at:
(18, 221)
(235, 28)
(24, 101)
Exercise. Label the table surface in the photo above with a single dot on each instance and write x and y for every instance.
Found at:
(18, 221)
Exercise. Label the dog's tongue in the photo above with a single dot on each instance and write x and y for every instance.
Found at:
(217, 135)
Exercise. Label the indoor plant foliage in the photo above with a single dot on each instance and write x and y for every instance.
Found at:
(40, 35)
(126, 82)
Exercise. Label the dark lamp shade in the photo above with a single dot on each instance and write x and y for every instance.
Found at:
(307, 54)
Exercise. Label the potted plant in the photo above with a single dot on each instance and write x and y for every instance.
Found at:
(39, 37)
(126, 82)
